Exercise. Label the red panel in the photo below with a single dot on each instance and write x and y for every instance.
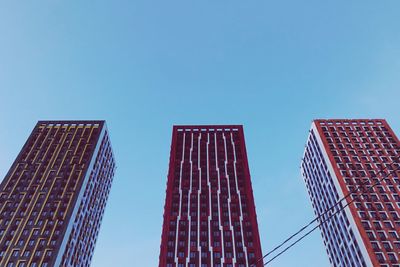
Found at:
(209, 206)
(346, 142)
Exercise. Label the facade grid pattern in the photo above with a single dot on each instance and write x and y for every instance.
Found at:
(342, 156)
(209, 217)
(43, 190)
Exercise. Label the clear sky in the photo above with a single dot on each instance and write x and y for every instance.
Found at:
(144, 65)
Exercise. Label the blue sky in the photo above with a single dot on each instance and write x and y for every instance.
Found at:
(144, 65)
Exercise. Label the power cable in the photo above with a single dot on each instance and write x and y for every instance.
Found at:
(323, 214)
(323, 222)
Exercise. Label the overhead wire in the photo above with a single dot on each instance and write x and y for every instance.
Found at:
(354, 191)
(320, 224)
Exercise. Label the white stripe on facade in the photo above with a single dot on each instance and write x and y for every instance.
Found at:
(198, 213)
(240, 200)
(349, 215)
(180, 202)
(218, 201)
(209, 201)
(229, 200)
(189, 196)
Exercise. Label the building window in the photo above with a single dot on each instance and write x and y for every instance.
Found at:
(380, 257)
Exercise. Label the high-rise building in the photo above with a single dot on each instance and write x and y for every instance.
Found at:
(358, 159)
(209, 216)
(52, 199)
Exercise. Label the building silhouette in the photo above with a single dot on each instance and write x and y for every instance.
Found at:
(52, 199)
(358, 159)
(209, 216)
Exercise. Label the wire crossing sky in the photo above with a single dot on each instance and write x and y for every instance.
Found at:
(330, 212)
(143, 66)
